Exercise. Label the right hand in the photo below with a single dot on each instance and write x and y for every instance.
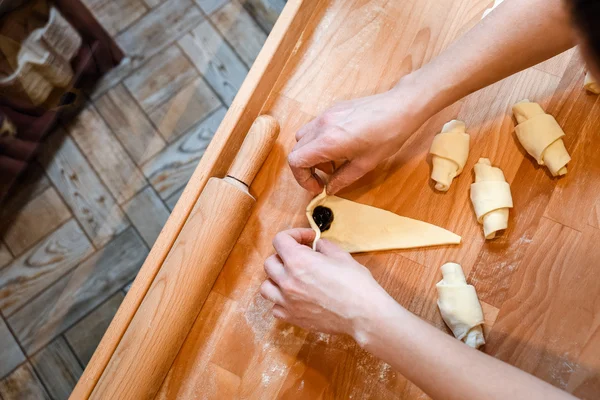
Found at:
(355, 136)
(324, 290)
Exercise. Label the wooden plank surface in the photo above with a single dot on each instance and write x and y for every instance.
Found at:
(91, 203)
(23, 383)
(215, 60)
(40, 266)
(238, 27)
(148, 214)
(150, 34)
(261, 79)
(106, 154)
(10, 352)
(191, 104)
(537, 307)
(85, 335)
(58, 368)
(129, 123)
(78, 292)
(30, 222)
(172, 168)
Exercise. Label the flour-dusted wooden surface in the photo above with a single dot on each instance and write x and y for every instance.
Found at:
(537, 281)
(91, 185)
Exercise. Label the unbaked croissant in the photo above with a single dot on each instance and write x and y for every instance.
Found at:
(541, 136)
(491, 198)
(450, 150)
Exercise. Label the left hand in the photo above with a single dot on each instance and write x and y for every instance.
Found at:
(324, 290)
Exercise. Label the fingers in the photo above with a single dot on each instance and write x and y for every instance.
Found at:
(302, 168)
(291, 242)
(330, 249)
(328, 167)
(274, 268)
(271, 292)
(346, 175)
(280, 313)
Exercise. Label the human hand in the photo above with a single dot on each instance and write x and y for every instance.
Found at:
(356, 136)
(324, 290)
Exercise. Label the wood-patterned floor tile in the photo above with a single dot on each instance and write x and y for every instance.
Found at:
(173, 167)
(26, 224)
(130, 124)
(148, 214)
(32, 182)
(5, 256)
(10, 352)
(58, 368)
(116, 15)
(266, 12)
(114, 166)
(43, 264)
(159, 79)
(215, 60)
(171, 201)
(159, 28)
(113, 77)
(152, 3)
(92, 204)
(210, 6)
(23, 384)
(85, 335)
(191, 104)
(240, 30)
(80, 291)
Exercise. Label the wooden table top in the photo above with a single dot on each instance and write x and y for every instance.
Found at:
(538, 281)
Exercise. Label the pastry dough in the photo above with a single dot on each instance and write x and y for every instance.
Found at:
(460, 306)
(590, 84)
(357, 227)
(491, 198)
(541, 136)
(450, 150)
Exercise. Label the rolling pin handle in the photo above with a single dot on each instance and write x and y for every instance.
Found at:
(255, 149)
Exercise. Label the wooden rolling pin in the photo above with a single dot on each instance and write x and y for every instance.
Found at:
(162, 322)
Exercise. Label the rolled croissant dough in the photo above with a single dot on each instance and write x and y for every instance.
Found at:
(450, 150)
(358, 227)
(591, 84)
(491, 198)
(541, 136)
(459, 306)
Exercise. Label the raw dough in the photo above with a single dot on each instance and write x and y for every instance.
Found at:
(491, 198)
(450, 150)
(460, 306)
(489, 10)
(540, 135)
(357, 227)
(591, 84)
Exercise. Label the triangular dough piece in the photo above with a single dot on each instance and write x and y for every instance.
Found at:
(358, 227)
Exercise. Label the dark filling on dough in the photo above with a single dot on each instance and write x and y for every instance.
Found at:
(323, 217)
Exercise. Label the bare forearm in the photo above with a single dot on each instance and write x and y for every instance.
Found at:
(440, 365)
(516, 35)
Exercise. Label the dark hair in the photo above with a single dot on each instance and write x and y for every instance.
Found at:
(586, 15)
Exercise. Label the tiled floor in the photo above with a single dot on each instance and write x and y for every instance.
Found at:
(86, 213)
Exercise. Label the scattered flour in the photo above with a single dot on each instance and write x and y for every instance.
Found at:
(323, 337)
(275, 371)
